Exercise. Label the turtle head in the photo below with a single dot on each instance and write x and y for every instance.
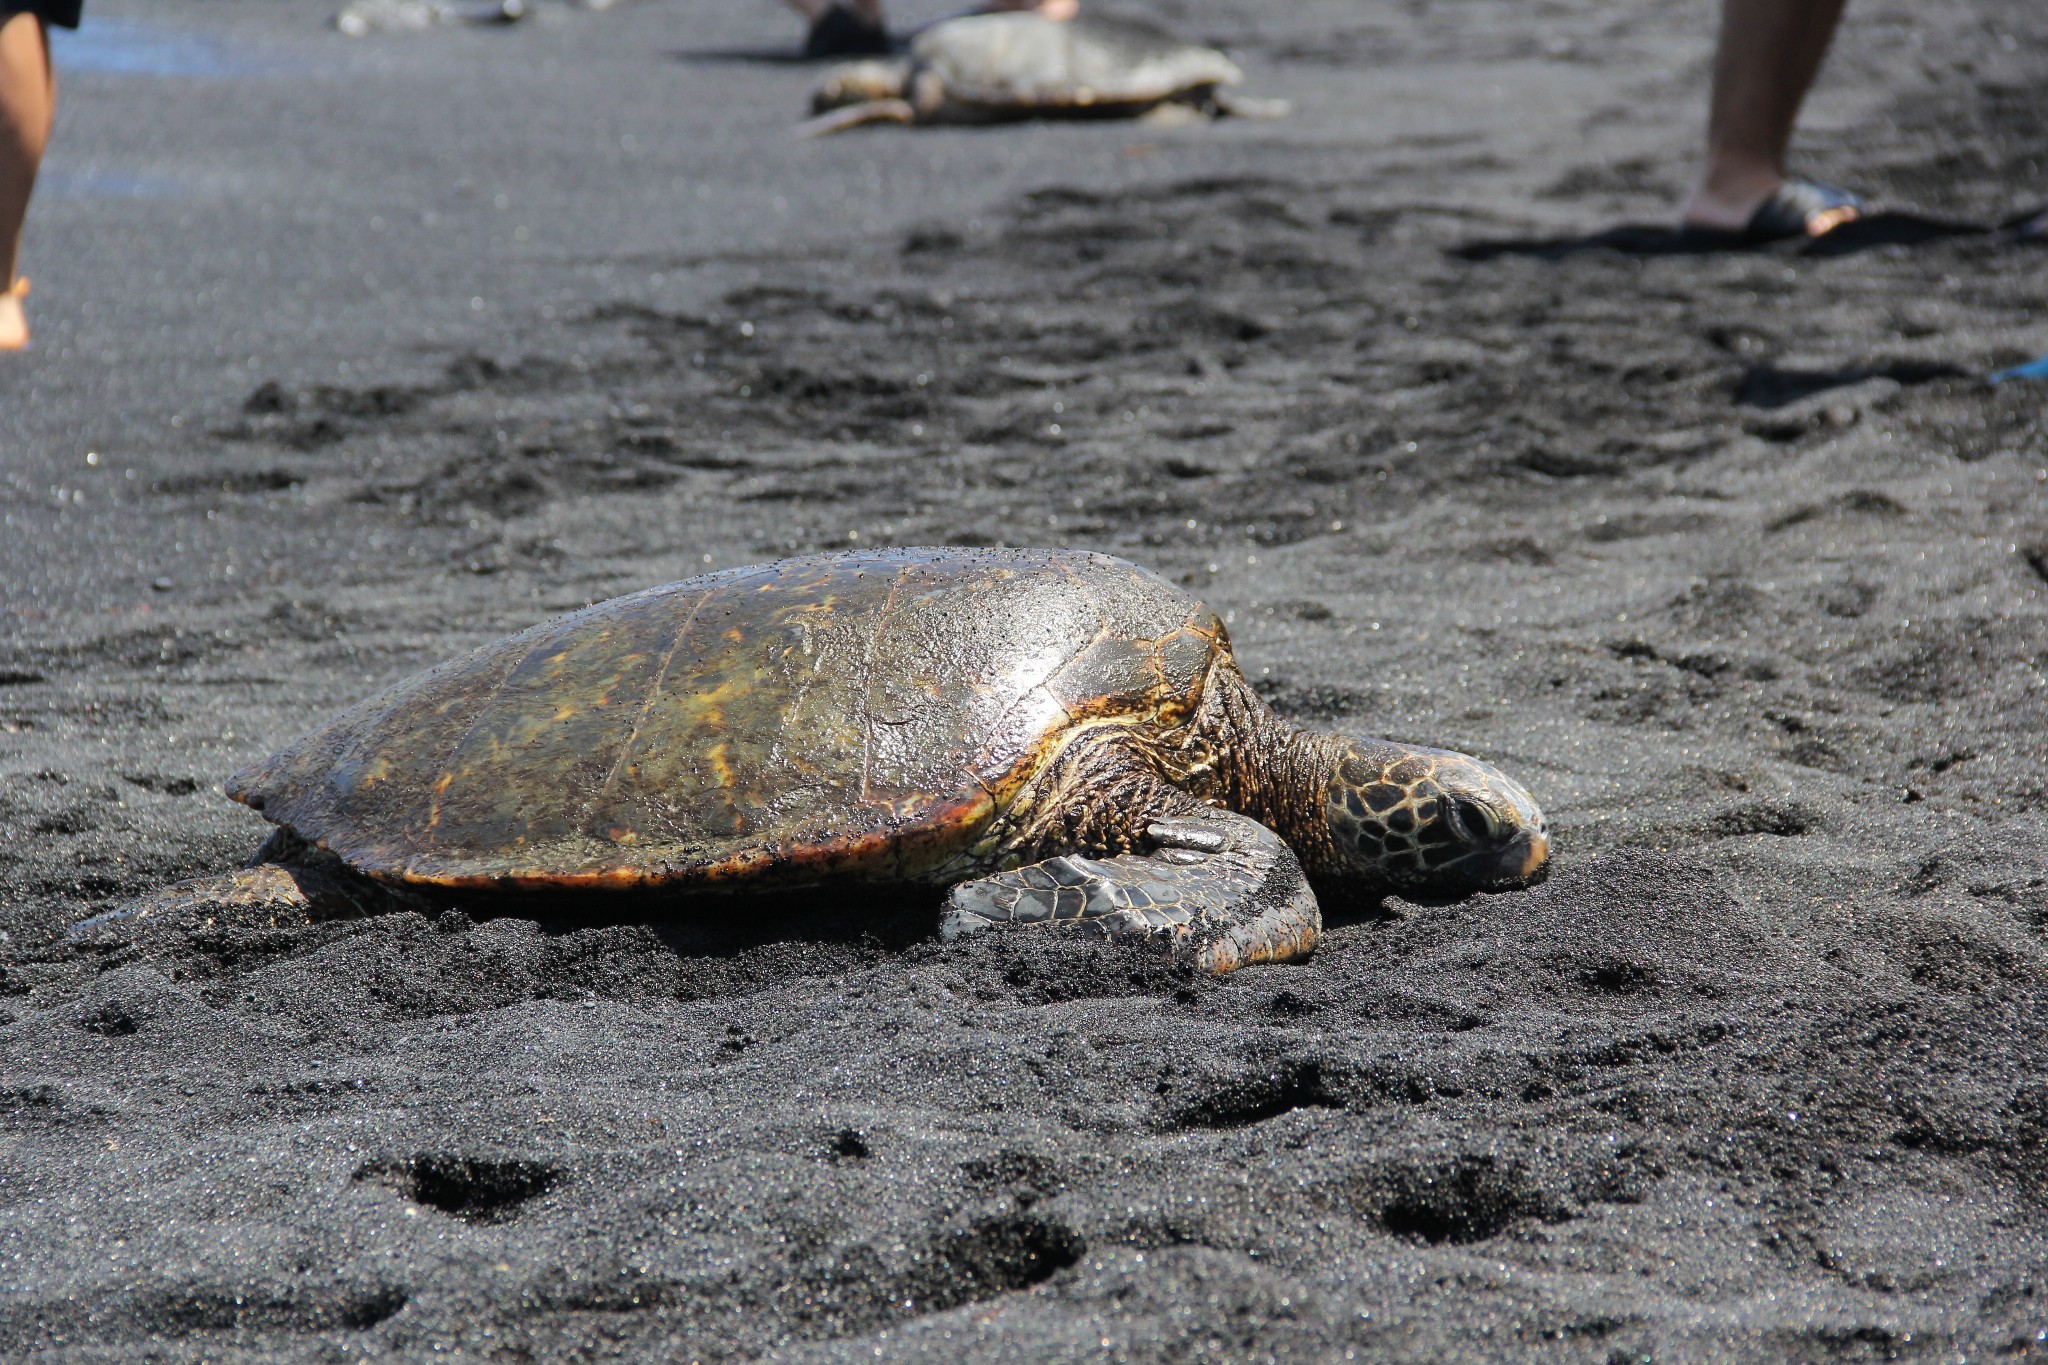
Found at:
(1431, 823)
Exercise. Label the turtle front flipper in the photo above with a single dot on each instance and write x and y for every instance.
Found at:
(858, 116)
(1218, 886)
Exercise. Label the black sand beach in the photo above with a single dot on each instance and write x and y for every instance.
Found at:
(351, 354)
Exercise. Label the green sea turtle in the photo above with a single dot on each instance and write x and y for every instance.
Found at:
(1057, 736)
(361, 17)
(998, 68)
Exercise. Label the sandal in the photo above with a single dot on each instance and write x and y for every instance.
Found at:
(1797, 208)
(839, 32)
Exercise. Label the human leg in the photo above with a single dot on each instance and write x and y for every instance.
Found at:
(843, 28)
(814, 10)
(27, 101)
(1769, 54)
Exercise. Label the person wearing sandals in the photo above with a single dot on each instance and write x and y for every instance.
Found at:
(1769, 53)
(855, 28)
(28, 98)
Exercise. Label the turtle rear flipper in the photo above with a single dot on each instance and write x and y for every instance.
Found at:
(289, 884)
(1218, 886)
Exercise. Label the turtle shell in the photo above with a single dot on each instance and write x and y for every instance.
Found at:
(861, 715)
(1022, 61)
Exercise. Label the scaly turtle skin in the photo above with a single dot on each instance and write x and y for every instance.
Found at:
(1056, 735)
(997, 68)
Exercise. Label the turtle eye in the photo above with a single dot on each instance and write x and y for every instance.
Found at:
(1473, 820)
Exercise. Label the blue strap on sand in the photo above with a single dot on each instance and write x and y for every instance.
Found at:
(2033, 369)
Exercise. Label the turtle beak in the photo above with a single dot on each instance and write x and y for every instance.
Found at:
(1522, 861)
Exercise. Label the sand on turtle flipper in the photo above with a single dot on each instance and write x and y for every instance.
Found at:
(265, 894)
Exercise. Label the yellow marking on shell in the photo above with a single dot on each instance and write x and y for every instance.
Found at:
(822, 608)
(707, 708)
(563, 713)
(719, 764)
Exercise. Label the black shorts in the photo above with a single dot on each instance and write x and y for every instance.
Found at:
(62, 13)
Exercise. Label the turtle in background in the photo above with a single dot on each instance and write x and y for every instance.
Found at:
(1059, 737)
(362, 17)
(998, 68)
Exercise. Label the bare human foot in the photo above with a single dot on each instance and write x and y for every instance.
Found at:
(13, 321)
(1059, 11)
(869, 12)
(856, 28)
